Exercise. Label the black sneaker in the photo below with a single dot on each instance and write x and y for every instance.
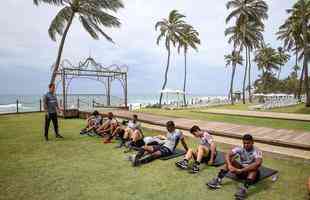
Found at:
(195, 169)
(214, 183)
(182, 164)
(136, 161)
(59, 136)
(241, 193)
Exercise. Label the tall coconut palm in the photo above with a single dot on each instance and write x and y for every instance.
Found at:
(171, 30)
(233, 60)
(284, 57)
(267, 59)
(249, 38)
(246, 12)
(189, 39)
(93, 14)
(297, 28)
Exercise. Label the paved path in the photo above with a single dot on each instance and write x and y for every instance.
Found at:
(277, 137)
(273, 115)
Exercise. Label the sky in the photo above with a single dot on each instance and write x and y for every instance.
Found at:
(27, 52)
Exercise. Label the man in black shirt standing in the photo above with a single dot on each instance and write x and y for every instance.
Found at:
(50, 105)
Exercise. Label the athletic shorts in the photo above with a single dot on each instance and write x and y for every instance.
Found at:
(163, 150)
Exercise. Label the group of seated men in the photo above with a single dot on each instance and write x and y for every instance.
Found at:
(151, 148)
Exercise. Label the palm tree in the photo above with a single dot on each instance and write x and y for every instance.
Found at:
(267, 59)
(284, 57)
(91, 13)
(190, 38)
(247, 13)
(233, 60)
(297, 28)
(171, 30)
(249, 38)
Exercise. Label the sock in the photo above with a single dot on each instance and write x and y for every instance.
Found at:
(222, 174)
(197, 162)
(248, 182)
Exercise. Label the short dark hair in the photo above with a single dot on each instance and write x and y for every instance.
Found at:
(135, 116)
(248, 137)
(51, 85)
(170, 124)
(194, 129)
(95, 113)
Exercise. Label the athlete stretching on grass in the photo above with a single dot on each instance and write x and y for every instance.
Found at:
(171, 141)
(250, 160)
(206, 151)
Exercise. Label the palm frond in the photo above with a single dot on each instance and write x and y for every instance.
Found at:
(58, 23)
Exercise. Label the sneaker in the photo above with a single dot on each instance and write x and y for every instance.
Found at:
(182, 164)
(195, 169)
(59, 136)
(131, 158)
(241, 193)
(214, 183)
(83, 132)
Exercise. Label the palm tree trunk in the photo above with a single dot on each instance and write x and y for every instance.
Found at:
(279, 72)
(296, 63)
(61, 46)
(306, 53)
(250, 95)
(232, 84)
(166, 76)
(306, 82)
(245, 73)
(185, 76)
(300, 83)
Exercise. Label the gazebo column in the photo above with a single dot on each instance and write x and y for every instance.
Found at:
(109, 92)
(125, 91)
(64, 100)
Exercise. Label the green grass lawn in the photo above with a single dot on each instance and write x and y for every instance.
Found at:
(296, 109)
(81, 167)
(255, 121)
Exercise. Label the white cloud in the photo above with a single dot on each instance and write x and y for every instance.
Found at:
(25, 42)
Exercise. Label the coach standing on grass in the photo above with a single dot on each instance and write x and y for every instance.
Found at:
(50, 107)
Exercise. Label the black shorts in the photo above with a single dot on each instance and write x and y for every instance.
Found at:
(164, 151)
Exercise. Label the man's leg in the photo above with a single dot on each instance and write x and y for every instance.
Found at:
(183, 164)
(55, 124)
(201, 152)
(144, 151)
(47, 125)
(251, 177)
(216, 182)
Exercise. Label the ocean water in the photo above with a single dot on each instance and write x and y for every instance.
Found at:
(27, 103)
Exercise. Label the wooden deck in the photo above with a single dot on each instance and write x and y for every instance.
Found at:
(277, 137)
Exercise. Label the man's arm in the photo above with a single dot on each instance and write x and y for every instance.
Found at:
(228, 159)
(254, 166)
(184, 144)
(162, 137)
